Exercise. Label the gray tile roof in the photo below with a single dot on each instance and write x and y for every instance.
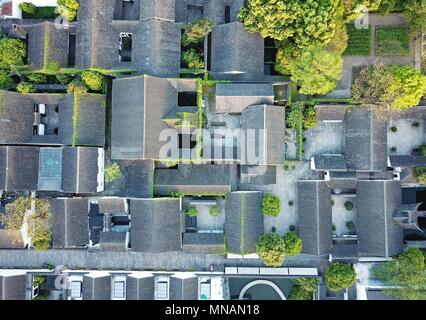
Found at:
(330, 162)
(17, 119)
(315, 226)
(97, 288)
(378, 234)
(271, 119)
(236, 53)
(243, 206)
(156, 225)
(113, 241)
(140, 288)
(19, 168)
(366, 141)
(112, 205)
(69, 218)
(183, 289)
(235, 97)
(407, 161)
(13, 287)
(203, 243)
(137, 117)
(195, 179)
(80, 169)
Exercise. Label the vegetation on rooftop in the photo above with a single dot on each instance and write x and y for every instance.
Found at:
(30, 11)
(25, 88)
(340, 276)
(407, 272)
(68, 9)
(12, 52)
(93, 80)
(196, 31)
(112, 173)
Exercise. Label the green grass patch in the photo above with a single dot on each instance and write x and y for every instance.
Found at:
(392, 41)
(41, 13)
(359, 43)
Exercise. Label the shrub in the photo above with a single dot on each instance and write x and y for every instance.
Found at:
(28, 8)
(271, 249)
(214, 211)
(77, 87)
(292, 228)
(394, 129)
(304, 289)
(332, 203)
(64, 78)
(112, 173)
(340, 276)
(193, 59)
(25, 88)
(93, 79)
(416, 124)
(5, 80)
(271, 205)
(37, 78)
(420, 173)
(333, 227)
(293, 244)
(310, 120)
(394, 149)
(42, 245)
(12, 52)
(351, 226)
(298, 293)
(196, 31)
(349, 205)
(53, 66)
(274, 229)
(423, 150)
(316, 71)
(192, 212)
(290, 203)
(68, 8)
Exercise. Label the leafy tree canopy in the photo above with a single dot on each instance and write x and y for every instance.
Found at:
(317, 70)
(5, 80)
(408, 271)
(340, 276)
(293, 244)
(415, 13)
(308, 22)
(197, 31)
(271, 249)
(271, 205)
(93, 79)
(12, 52)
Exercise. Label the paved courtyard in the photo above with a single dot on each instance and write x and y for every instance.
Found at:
(405, 129)
(341, 216)
(205, 221)
(326, 137)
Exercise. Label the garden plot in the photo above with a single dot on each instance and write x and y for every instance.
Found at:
(359, 43)
(392, 41)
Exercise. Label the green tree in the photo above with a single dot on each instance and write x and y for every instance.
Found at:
(371, 85)
(308, 22)
(68, 8)
(408, 86)
(355, 8)
(304, 288)
(193, 59)
(112, 173)
(37, 78)
(340, 276)
(339, 42)
(316, 71)
(77, 87)
(5, 80)
(93, 79)
(25, 88)
(415, 13)
(12, 52)
(407, 271)
(271, 249)
(287, 51)
(196, 31)
(271, 205)
(293, 244)
(28, 8)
